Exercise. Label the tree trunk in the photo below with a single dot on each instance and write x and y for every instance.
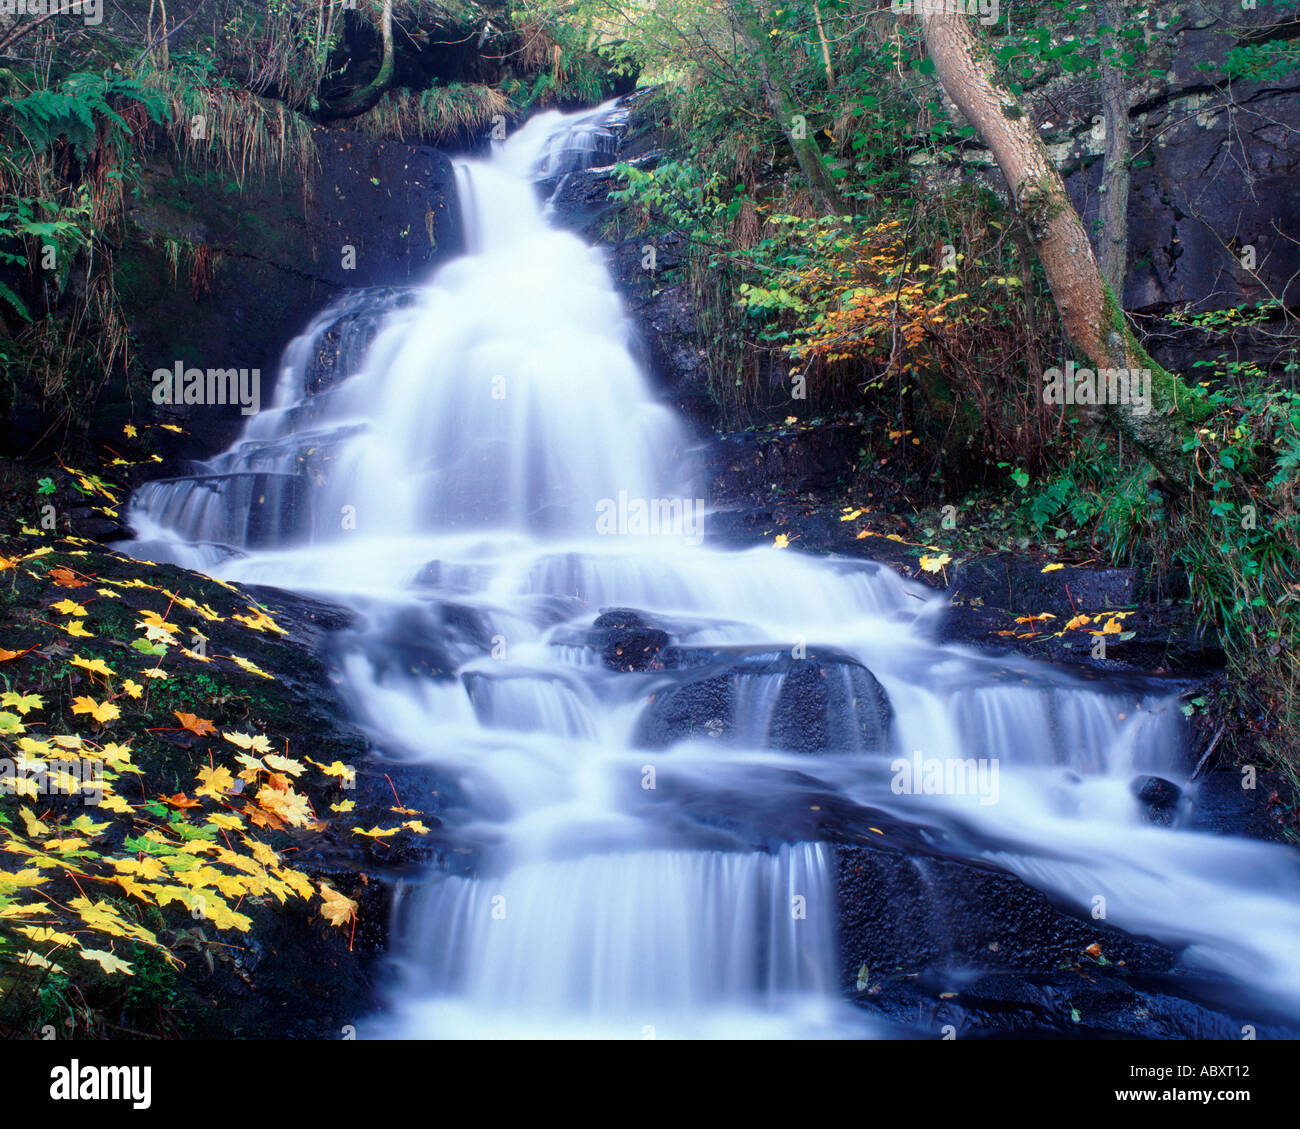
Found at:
(365, 99)
(1113, 238)
(1089, 312)
(826, 47)
(781, 102)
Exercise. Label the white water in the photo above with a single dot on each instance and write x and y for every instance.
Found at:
(445, 482)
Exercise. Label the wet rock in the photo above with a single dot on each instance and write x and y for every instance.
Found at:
(626, 641)
(824, 701)
(1158, 797)
(904, 916)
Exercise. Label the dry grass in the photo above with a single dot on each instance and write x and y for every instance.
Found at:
(235, 130)
(440, 114)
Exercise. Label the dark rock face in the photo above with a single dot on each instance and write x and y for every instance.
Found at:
(825, 701)
(1216, 190)
(797, 462)
(371, 214)
(938, 944)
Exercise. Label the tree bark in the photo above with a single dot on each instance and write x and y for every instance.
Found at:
(1113, 238)
(780, 100)
(364, 99)
(1089, 311)
(826, 47)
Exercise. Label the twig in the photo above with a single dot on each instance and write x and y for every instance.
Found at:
(1213, 745)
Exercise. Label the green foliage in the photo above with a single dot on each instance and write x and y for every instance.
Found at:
(81, 105)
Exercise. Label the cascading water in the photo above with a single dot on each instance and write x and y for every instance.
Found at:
(481, 471)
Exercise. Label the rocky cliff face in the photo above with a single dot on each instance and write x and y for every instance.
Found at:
(263, 261)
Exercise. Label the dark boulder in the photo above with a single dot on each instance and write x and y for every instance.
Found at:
(825, 701)
(1158, 797)
(626, 641)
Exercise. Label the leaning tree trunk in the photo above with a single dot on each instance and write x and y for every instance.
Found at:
(785, 109)
(368, 96)
(1113, 237)
(1089, 311)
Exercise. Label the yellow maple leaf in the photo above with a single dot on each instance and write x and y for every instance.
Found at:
(252, 766)
(1053, 567)
(33, 959)
(65, 846)
(69, 607)
(260, 621)
(261, 851)
(337, 909)
(298, 882)
(258, 744)
(154, 620)
(115, 754)
(94, 666)
(23, 703)
(18, 910)
(78, 630)
(250, 667)
(115, 804)
(100, 711)
(87, 826)
(377, 832)
(344, 807)
(781, 541)
(216, 782)
(34, 826)
(290, 806)
(106, 960)
(934, 564)
(47, 936)
(148, 868)
(283, 764)
(226, 821)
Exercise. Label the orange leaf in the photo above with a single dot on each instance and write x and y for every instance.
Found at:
(199, 726)
(65, 578)
(179, 801)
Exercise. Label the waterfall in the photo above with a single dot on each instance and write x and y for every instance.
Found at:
(480, 469)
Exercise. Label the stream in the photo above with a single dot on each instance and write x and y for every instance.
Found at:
(658, 744)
